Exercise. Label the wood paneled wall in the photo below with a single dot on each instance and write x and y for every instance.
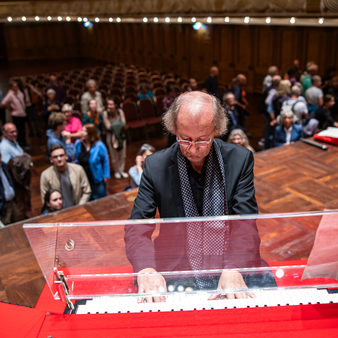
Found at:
(179, 48)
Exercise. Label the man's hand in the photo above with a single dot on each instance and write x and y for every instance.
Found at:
(150, 281)
(67, 135)
(139, 163)
(232, 280)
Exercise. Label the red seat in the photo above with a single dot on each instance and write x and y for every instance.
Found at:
(147, 112)
(132, 117)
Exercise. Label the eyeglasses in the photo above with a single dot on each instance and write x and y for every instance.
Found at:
(58, 156)
(187, 143)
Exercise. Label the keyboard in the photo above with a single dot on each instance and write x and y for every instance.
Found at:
(188, 301)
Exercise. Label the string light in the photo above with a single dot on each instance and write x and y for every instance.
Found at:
(179, 19)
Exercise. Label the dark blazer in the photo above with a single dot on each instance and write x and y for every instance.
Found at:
(280, 135)
(160, 188)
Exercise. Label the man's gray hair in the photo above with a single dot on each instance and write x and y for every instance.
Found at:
(295, 90)
(90, 82)
(220, 118)
(316, 78)
(286, 111)
(51, 91)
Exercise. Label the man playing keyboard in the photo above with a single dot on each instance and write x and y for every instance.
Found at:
(199, 175)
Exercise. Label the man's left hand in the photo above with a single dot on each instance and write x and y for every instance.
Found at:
(232, 280)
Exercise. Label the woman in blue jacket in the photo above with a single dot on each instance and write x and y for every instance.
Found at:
(287, 132)
(92, 154)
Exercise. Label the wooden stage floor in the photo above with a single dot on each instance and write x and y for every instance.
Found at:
(292, 178)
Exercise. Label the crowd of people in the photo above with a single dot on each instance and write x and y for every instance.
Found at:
(85, 146)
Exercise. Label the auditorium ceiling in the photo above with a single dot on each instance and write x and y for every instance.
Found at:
(168, 7)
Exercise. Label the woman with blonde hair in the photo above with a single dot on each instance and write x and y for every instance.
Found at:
(282, 94)
(238, 136)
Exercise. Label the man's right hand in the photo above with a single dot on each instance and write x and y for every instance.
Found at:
(151, 282)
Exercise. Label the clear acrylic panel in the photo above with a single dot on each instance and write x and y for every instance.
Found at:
(105, 258)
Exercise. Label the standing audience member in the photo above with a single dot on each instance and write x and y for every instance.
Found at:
(92, 155)
(50, 106)
(314, 95)
(333, 90)
(323, 114)
(135, 172)
(287, 132)
(298, 105)
(53, 202)
(2, 110)
(74, 125)
(115, 122)
(32, 118)
(294, 72)
(14, 101)
(238, 136)
(282, 94)
(267, 97)
(7, 195)
(57, 135)
(306, 79)
(238, 88)
(274, 108)
(211, 83)
(89, 95)
(60, 92)
(145, 93)
(93, 116)
(192, 85)
(69, 178)
(9, 147)
(267, 82)
(234, 117)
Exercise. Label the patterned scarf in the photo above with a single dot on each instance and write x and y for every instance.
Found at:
(209, 239)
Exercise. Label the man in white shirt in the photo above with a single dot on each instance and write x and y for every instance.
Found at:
(9, 147)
